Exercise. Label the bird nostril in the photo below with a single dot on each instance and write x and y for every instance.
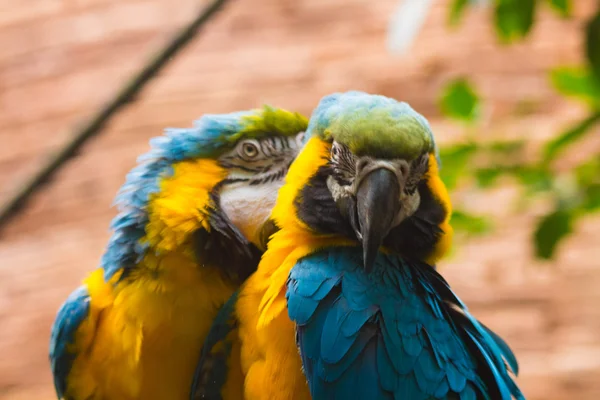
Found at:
(404, 168)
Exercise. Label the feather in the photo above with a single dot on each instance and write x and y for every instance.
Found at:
(410, 333)
(210, 136)
(507, 353)
(211, 370)
(70, 316)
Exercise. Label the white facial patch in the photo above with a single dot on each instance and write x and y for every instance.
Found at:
(338, 191)
(257, 169)
(410, 204)
(249, 207)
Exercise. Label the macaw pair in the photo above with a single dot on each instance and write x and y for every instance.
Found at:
(345, 303)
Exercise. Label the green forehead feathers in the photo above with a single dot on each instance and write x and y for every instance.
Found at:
(271, 120)
(372, 125)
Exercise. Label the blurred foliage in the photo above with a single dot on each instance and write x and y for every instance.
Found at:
(592, 44)
(513, 19)
(470, 224)
(577, 82)
(574, 193)
(457, 10)
(562, 7)
(550, 230)
(460, 101)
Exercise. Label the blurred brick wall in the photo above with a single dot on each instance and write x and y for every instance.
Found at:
(59, 60)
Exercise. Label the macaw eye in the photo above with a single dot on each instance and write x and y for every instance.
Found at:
(249, 150)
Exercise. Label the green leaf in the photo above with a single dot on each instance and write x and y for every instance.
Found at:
(577, 82)
(591, 198)
(551, 229)
(454, 162)
(474, 225)
(553, 147)
(588, 172)
(513, 18)
(588, 180)
(505, 152)
(486, 177)
(507, 147)
(535, 179)
(592, 44)
(562, 7)
(459, 100)
(457, 10)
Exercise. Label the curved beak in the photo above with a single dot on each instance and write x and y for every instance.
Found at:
(377, 203)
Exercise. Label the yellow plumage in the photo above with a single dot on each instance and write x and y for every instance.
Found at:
(143, 334)
(438, 189)
(269, 356)
(270, 360)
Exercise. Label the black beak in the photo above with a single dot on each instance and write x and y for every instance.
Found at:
(377, 203)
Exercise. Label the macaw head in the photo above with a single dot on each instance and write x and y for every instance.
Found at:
(378, 183)
(255, 166)
(206, 192)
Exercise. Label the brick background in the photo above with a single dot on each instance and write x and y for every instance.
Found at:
(59, 60)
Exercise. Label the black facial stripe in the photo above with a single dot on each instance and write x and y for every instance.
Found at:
(343, 163)
(278, 175)
(341, 181)
(229, 158)
(418, 170)
(242, 167)
(265, 148)
(229, 181)
(268, 178)
(282, 143)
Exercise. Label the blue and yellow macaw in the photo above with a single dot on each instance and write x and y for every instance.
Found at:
(193, 223)
(346, 303)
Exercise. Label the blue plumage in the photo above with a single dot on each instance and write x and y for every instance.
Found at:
(71, 314)
(211, 135)
(397, 332)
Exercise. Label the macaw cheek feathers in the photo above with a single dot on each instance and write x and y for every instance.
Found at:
(377, 204)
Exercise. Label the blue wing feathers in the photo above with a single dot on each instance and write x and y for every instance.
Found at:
(336, 345)
(70, 315)
(509, 356)
(385, 369)
(397, 332)
(331, 372)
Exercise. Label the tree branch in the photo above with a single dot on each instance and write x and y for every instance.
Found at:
(94, 126)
